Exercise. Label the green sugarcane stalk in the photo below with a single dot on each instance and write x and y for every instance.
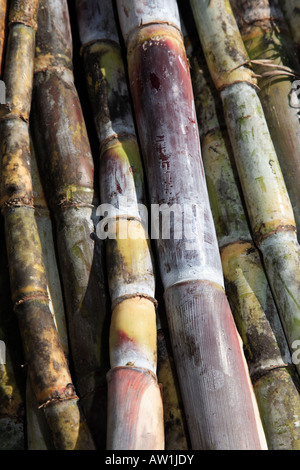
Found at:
(211, 367)
(267, 353)
(47, 366)
(133, 350)
(268, 41)
(268, 205)
(67, 173)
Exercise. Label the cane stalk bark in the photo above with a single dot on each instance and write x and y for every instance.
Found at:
(217, 394)
(135, 414)
(268, 205)
(270, 364)
(47, 367)
(12, 374)
(37, 432)
(67, 173)
(274, 60)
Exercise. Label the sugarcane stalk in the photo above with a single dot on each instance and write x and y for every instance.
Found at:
(67, 173)
(12, 374)
(274, 60)
(45, 228)
(268, 205)
(218, 398)
(47, 367)
(267, 353)
(38, 435)
(12, 399)
(291, 10)
(135, 415)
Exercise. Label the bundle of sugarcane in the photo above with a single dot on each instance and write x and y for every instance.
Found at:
(47, 366)
(135, 416)
(268, 205)
(291, 10)
(37, 432)
(275, 62)
(218, 398)
(273, 375)
(67, 173)
(3, 13)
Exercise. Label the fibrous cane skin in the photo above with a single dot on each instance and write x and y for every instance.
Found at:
(267, 201)
(12, 375)
(266, 350)
(274, 60)
(37, 432)
(45, 227)
(67, 173)
(47, 366)
(217, 394)
(135, 413)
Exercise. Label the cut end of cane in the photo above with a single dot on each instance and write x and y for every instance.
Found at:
(135, 411)
(69, 430)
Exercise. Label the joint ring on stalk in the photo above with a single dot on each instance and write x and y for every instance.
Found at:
(35, 296)
(260, 373)
(67, 394)
(133, 296)
(19, 202)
